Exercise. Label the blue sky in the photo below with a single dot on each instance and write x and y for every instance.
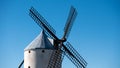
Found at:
(95, 34)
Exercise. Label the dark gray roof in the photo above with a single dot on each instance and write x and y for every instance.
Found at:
(41, 41)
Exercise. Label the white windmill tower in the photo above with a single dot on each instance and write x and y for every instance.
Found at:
(38, 53)
(44, 52)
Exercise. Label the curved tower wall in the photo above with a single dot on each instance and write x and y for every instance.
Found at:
(38, 58)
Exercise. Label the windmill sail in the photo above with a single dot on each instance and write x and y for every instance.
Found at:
(42, 22)
(74, 56)
(21, 64)
(56, 59)
(69, 22)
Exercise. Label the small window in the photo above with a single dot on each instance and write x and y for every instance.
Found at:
(43, 51)
(28, 66)
(29, 51)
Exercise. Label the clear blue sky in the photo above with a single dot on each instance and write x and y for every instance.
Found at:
(95, 34)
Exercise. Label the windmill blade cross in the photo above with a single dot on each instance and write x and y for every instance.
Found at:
(69, 22)
(42, 23)
(74, 56)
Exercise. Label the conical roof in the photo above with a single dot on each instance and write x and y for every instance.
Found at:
(40, 42)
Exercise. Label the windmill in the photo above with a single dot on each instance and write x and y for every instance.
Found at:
(51, 49)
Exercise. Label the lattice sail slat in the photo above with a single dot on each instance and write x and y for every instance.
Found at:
(41, 21)
(75, 57)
